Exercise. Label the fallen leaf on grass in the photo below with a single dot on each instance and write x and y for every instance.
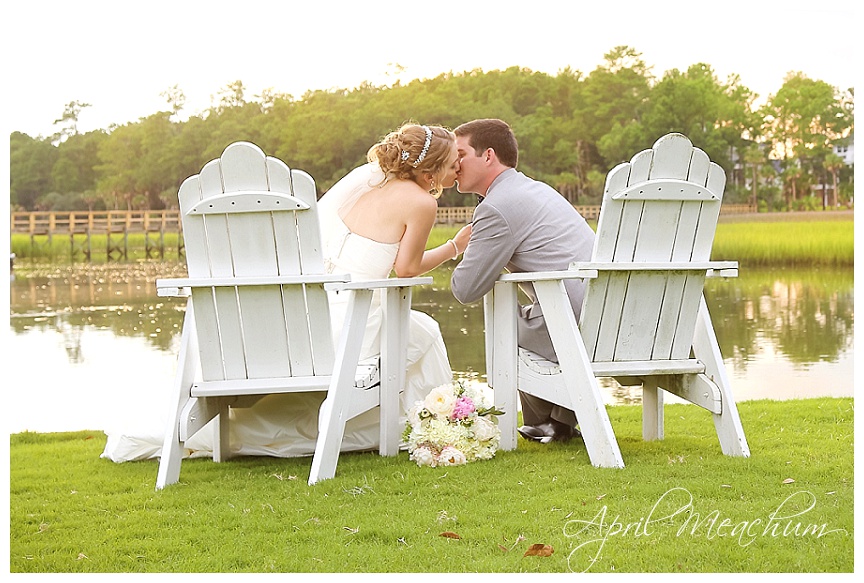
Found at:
(448, 534)
(539, 550)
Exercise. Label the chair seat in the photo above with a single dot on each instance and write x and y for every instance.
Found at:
(634, 368)
(368, 375)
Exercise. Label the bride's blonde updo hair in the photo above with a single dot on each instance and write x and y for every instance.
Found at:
(412, 150)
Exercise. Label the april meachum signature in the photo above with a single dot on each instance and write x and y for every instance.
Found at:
(677, 505)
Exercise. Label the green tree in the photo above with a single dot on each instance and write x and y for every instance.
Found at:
(834, 164)
(572, 129)
(118, 166)
(68, 122)
(804, 118)
(714, 115)
(755, 158)
(232, 95)
(176, 99)
(793, 177)
(614, 99)
(30, 164)
(73, 172)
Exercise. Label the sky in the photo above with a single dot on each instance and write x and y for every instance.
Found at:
(119, 56)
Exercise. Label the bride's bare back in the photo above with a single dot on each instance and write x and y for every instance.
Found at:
(400, 211)
(382, 213)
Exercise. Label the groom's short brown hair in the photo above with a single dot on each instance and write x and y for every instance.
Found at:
(491, 133)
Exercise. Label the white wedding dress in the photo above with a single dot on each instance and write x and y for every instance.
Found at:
(287, 425)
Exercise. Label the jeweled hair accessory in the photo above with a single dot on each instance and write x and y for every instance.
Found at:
(406, 155)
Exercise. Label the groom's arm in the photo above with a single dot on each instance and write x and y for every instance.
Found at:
(489, 250)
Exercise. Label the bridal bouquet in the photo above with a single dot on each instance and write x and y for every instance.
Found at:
(452, 426)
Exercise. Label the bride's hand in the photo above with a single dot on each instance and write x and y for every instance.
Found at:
(461, 238)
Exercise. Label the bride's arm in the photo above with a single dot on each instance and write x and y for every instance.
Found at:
(413, 258)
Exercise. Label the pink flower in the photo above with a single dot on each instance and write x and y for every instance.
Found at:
(463, 408)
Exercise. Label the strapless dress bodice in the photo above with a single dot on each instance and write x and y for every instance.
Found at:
(360, 256)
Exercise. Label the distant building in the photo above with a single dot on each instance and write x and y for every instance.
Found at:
(845, 148)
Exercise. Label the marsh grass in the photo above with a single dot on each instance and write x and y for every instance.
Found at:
(59, 248)
(71, 511)
(812, 243)
(782, 241)
(758, 243)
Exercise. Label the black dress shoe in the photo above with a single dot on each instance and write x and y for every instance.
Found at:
(557, 431)
(550, 431)
(531, 433)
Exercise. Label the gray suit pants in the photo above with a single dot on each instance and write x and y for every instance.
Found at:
(534, 336)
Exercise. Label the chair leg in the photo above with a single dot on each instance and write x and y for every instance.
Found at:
(334, 410)
(172, 448)
(394, 356)
(222, 436)
(169, 463)
(502, 366)
(652, 411)
(728, 423)
(579, 379)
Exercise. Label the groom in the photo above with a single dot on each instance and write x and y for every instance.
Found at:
(521, 225)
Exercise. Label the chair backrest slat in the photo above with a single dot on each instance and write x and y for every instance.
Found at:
(662, 206)
(256, 331)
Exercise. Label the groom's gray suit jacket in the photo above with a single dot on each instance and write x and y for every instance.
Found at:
(523, 225)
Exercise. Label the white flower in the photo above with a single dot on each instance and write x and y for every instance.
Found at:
(423, 456)
(434, 438)
(484, 429)
(450, 456)
(440, 401)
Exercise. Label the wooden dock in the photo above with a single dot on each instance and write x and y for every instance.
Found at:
(116, 226)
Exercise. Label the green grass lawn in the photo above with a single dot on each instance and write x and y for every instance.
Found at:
(678, 506)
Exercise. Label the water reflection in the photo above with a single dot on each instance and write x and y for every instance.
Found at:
(120, 299)
(783, 333)
(806, 315)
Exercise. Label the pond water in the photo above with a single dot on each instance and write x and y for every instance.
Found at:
(93, 347)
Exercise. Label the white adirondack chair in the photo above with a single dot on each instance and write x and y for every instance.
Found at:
(644, 319)
(257, 320)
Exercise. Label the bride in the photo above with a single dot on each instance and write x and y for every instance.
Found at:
(374, 221)
(377, 220)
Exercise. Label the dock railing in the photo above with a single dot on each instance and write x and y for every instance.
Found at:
(116, 226)
(168, 221)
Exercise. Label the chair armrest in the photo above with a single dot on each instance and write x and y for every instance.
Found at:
(389, 282)
(711, 268)
(573, 273)
(181, 287)
(590, 270)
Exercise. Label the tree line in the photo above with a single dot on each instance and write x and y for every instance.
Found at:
(572, 129)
